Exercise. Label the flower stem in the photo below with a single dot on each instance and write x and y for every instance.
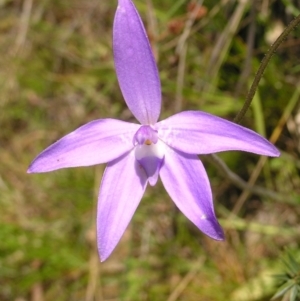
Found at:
(262, 68)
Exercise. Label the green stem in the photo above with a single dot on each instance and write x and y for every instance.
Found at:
(262, 68)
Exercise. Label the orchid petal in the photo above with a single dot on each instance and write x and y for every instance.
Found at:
(196, 132)
(96, 142)
(152, 167)
(135, 65)
(151, 158)
(186, 181)
(121, 190)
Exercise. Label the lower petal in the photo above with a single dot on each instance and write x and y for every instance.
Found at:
(152, 167)
(150, 157)
(122, 188)
(186, 181)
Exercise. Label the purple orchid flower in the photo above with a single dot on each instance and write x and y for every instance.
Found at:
(139, 153)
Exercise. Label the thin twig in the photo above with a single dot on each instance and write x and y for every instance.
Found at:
(23, 25)
(94, 288)
(262, 68)
(212, 13)
(274, 137)
(239, 182)
(250, 45)
(222, 46)
(181, 50)
(187, 28)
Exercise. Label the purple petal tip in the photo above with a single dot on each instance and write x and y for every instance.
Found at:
(211, 227)
(277, 153)
(31, 169)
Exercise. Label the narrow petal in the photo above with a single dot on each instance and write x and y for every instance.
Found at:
(196, 132)
(135, 65)
(185, 180)
(121, 190)
(96, 142)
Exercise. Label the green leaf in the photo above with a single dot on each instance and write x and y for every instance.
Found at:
(294, 293)
(283, 289)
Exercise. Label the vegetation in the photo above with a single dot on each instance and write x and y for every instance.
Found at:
(57, 73)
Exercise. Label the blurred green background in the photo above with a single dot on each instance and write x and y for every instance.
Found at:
(57, 73)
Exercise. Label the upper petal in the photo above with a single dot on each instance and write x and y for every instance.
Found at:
(121, 190)
(96, 142)
(185, 180)
(135, 65)
(196, 132)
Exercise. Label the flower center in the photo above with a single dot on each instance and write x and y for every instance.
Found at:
(149, 152)
(145, 135)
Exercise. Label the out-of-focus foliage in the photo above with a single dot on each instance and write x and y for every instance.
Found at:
(289, 282)
(57, 73)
